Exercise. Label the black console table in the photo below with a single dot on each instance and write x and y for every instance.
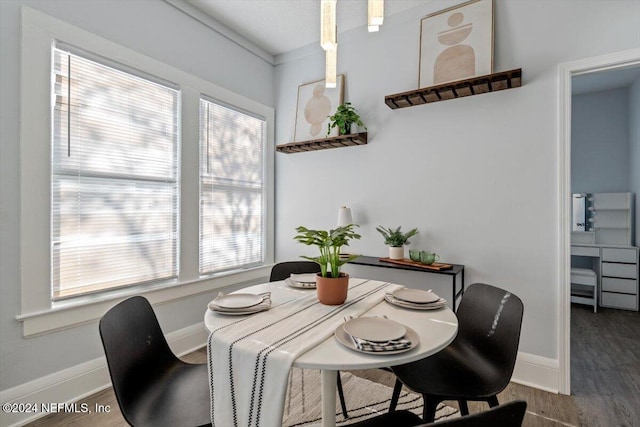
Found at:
(457, 269)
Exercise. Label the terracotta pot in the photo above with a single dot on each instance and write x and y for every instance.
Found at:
(396, 252)
(332, 291)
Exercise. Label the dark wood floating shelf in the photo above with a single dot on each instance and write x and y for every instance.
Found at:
(323, 144)
(473, 86)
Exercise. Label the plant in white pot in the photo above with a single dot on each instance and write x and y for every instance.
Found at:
(331, 284)
(344, 117)
(396, 239)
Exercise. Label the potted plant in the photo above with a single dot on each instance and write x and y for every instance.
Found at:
(343, 118)
(331, 284)
(396, 240)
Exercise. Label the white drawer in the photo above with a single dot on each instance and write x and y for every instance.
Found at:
(584, 280)
(626, 286)
(620, 255)
(627, 271)
(585, 251)
(629, 302)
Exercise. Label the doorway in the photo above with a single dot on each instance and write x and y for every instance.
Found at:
(566, 72)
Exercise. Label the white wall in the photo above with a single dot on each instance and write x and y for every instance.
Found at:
(477, 175)
(153, 28)
(600, 142)
(634, 149)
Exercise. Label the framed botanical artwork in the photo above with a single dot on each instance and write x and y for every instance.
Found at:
(456, 43)
(315, 104)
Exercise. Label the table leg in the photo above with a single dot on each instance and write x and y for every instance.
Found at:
(329, 381)
(455, 293)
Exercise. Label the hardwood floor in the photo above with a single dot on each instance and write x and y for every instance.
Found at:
(605, 366)
(605, 378)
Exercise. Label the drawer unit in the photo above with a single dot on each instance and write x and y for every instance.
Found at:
(626, 286)
(627, 271)
(619, 278)
(625, 301)
(619, 255)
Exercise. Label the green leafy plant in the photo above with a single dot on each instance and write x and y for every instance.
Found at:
(396, 238)
(329, 243)
(344, 116)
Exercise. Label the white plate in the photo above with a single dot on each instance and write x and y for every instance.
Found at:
(299, 285)
(404, 304)
(304, 277)
(343, 338)
(375, 329)
(239, 312)
(238, 300)
(416, 296)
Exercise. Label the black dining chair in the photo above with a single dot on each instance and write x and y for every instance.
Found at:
(478, 364)
(509, 414)
(152, 386)
(282, 271)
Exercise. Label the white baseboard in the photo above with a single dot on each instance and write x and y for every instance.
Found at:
(537, 372)
(85, 379)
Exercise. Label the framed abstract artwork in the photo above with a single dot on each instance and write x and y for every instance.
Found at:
(456, 43)
(315, 104)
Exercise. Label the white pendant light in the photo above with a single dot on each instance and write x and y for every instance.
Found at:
(375, 14)
(328, 30)
(331, 58)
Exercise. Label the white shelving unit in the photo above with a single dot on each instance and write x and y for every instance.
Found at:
(611, 218)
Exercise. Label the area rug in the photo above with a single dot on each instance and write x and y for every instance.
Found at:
(364, 398)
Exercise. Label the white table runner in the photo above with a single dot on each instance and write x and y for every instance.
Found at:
(249, 359)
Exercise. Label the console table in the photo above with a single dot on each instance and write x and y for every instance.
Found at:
(453, 273)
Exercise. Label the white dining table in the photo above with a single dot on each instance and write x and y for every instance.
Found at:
(435, 328)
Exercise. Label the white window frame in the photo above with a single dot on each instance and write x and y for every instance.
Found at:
(38, 313)
(219, 103)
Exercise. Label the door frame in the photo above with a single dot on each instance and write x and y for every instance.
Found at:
(565, 72)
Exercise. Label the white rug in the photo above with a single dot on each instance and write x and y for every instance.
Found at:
(364, 398)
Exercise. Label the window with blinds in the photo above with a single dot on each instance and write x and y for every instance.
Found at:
(232, 209)
(114, 201)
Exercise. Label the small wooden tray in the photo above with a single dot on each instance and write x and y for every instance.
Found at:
(435, 266)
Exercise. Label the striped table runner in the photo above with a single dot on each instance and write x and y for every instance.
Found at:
(249, 359)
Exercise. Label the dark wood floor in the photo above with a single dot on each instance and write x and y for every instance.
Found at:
(605, 378)
(605, 366)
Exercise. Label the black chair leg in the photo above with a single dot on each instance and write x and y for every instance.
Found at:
(397, 388)
(464, 408)
(343, 404)
(429, 408)
(493, 401)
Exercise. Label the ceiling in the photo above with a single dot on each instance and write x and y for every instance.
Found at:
(279, 26)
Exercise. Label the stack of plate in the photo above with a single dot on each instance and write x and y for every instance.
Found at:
(375, 335)
(302, 281)
(239, 304)
(416, 299)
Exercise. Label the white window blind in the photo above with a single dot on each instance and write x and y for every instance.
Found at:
(232, 212)
(114, 207)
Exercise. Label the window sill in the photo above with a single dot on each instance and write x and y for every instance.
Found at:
(72, 313)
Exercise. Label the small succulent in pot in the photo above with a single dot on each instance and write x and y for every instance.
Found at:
(395, 237)
(344, 116)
